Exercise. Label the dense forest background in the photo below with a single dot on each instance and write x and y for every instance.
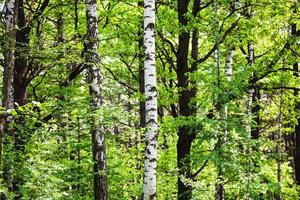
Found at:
(73, 115)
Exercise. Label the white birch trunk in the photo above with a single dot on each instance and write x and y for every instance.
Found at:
(229, 62)
(149, 186)
(95, 81)
(250, 91)
(228, 74)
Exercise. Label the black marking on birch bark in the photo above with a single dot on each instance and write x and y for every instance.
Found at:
(151, 121)
(148, 99)
(152, 160)
(152, 89)
(154, 138)
(147, 56)
(148, 151)
(150, 26)
(153, 196)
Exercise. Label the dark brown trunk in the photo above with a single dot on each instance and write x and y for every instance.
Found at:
(255, 95)
(21, 63)
(19, 95)
(297, 110)
(184, 163)
(186, 134)
(184, 142)
(297, 131)
(141, 72)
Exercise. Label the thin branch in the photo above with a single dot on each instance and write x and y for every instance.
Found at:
(118, 80)
(167, 41)
(212, 50)
(254, 79)
(200, 169)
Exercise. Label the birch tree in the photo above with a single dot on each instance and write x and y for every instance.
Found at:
(149, 187)
(95, 79)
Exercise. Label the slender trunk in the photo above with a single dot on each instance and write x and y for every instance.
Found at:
(9, 58)
(149, 187)
(278, 149)
(219, 194)
(229, 62)
(142, 115)
(78, 156)
(141, 73)
(95, 80)
(184, 138)
(297, 131)
(254, 94)
(297, 126)
(11, 14)
(20, 95)
(76, 16)
(22, 53)
(186, 134)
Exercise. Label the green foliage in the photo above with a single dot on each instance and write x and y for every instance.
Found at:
(54, 126)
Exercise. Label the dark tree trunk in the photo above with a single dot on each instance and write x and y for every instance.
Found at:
(297, 110)
(141, 72)
(20, 94)
(21, 63)
(184, 141)
(186, 134)
(297, 131)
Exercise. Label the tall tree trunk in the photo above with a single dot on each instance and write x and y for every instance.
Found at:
(184, 138)
(11, 14)
(20, 95)
(22, 53)
(186, 134)
(254, 94)
(297, 131)
(141, 73)
(95, 80)
(219, 194)
(297, 109)
(9, 59)
(149, 186)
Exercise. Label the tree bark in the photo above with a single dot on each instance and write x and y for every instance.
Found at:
(186, 134)
(22, 53)
(149, 186)
(141, 72)
(9, 58)
(297, 109)
(11, 13)
(253, 93)
(184, 138)
(95, 81)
